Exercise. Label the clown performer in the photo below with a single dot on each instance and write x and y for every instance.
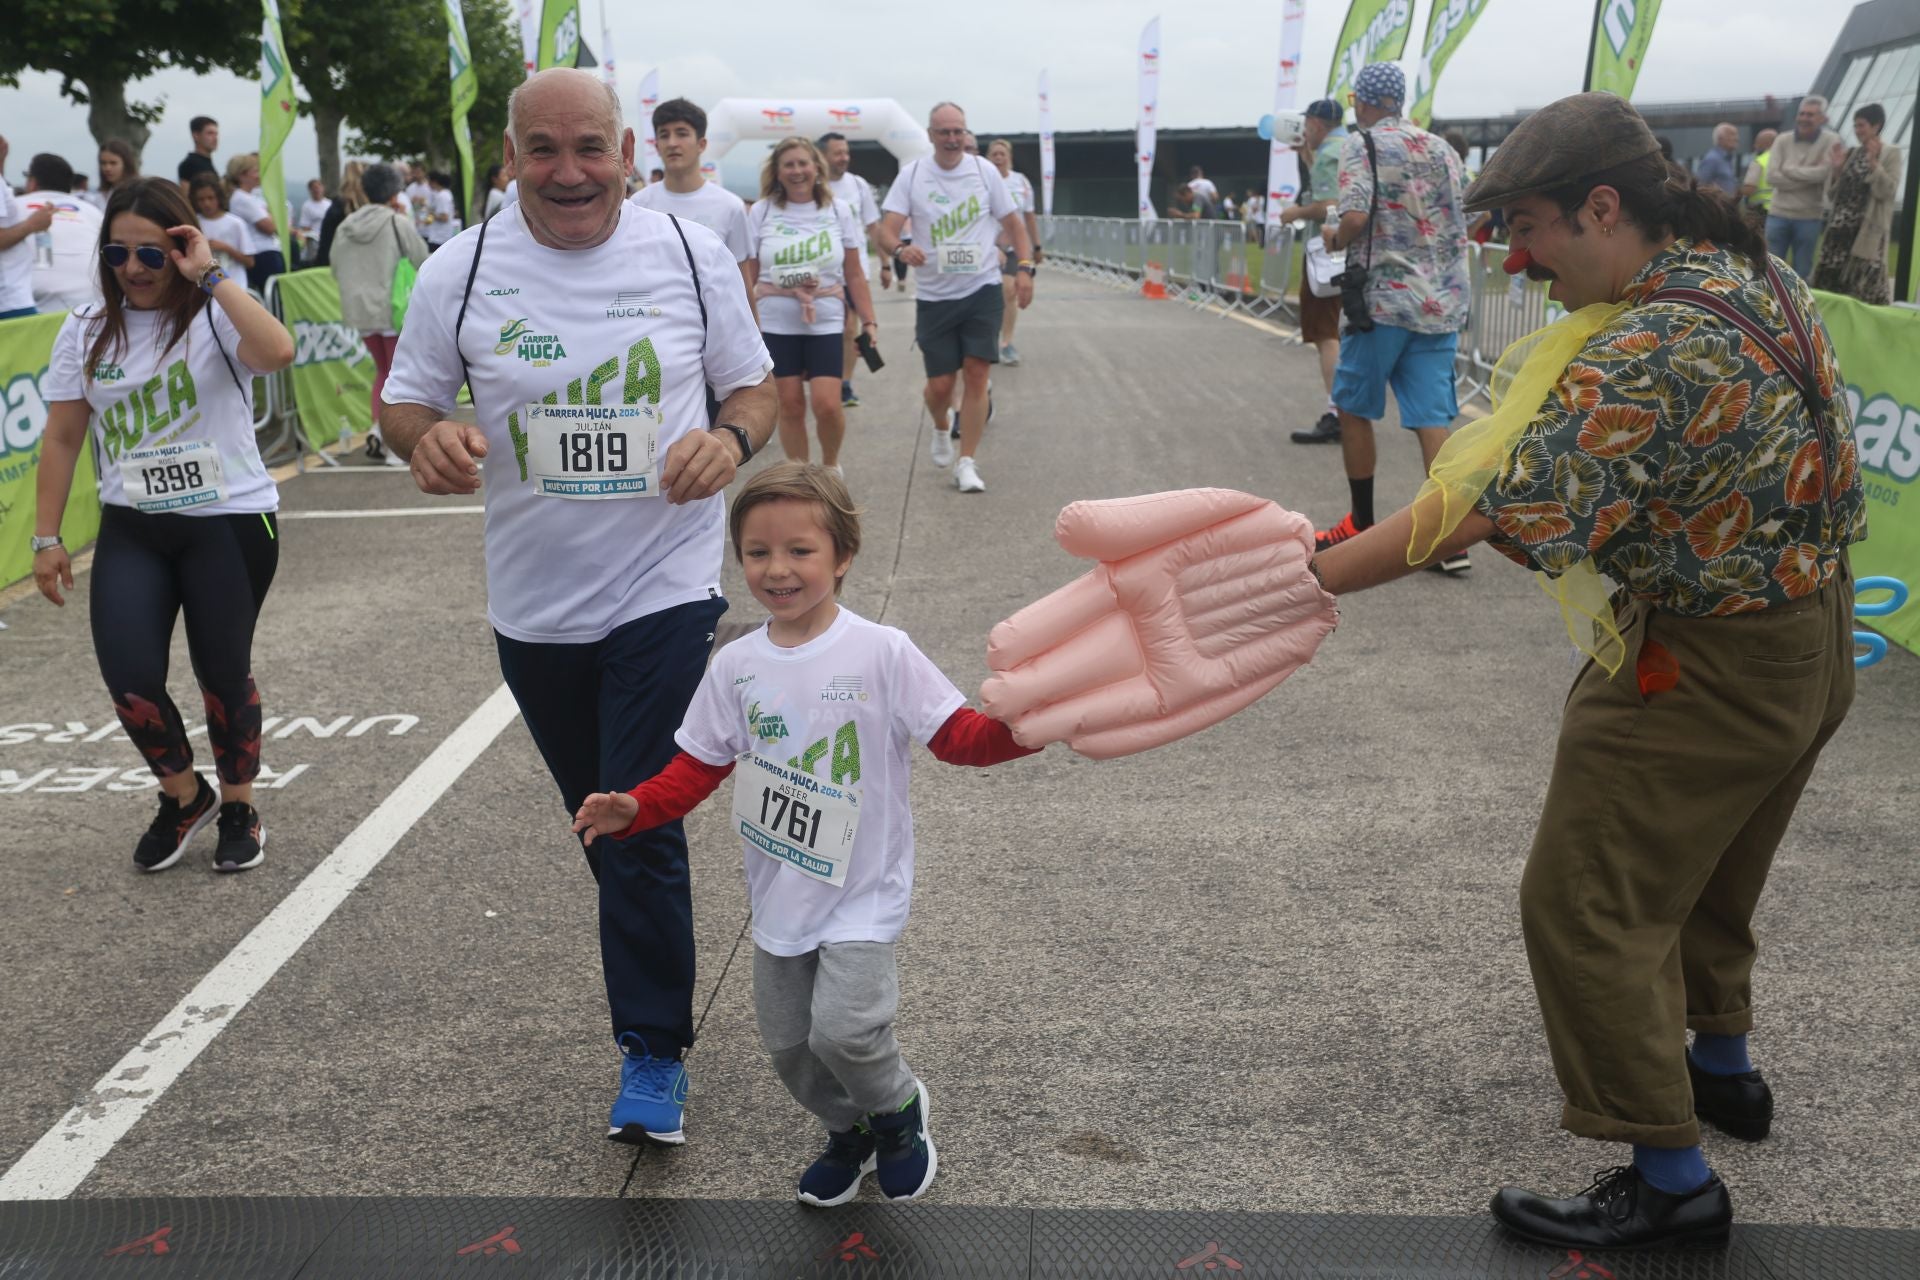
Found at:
(1682, 432)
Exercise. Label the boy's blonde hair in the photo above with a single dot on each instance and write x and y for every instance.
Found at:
(802, 482)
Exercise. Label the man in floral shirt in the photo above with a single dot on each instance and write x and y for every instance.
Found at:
(1400, 219)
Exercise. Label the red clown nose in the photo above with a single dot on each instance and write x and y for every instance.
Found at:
(1517, 261)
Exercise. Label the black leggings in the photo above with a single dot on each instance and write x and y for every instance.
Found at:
(146, 569)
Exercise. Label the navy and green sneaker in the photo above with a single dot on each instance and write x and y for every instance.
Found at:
(835, 1177)
(904, 1154)
(653, 1097)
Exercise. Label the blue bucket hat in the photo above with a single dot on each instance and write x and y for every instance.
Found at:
(1380, 83)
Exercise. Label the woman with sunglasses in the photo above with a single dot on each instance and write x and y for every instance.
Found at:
(158, 379)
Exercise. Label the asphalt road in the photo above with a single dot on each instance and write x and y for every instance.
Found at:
(1275, 966)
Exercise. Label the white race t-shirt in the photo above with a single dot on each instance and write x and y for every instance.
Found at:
(960, 205)
(1203, 189)
(250, 208)
(228, 229)
(66, 269)
(16, 264)
(846, 707)
(144, 395)
(420, 204)
(615, 324)
(712, 206)
(856, 193)
(496, 201)
(442, 227)
(1021, 190)
(803, 236)
(312, 214)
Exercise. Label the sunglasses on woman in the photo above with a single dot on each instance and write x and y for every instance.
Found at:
(151, 258)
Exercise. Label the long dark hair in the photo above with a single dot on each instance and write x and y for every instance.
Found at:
(1663, 199)
(129, 163)
(161, 203)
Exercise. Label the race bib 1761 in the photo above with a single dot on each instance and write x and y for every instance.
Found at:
(593, 450)
(795, 818)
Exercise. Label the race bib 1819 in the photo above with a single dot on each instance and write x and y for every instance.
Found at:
(593, 450)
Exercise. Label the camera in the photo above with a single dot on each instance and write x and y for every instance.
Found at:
(1353, 299)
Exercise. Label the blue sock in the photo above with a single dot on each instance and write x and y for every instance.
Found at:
(1674, 1170)
(1720, 1055)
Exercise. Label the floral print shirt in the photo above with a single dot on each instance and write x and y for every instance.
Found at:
(1679, 458)
(1417, 278)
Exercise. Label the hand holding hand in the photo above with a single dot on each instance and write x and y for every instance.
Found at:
(1202, 602)
(605, 815)
(446, 460)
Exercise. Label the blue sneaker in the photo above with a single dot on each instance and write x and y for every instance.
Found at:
(653, 1097)
(849, 398)
(835, 1177)
(905, 1158)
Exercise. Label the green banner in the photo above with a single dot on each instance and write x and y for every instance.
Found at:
(25, 345)
(1621, 30)
(466, 87)
(276, 119)
(559, 34)
(1447, 26)
(332, 368)
(1875, 346)
(1376, 31)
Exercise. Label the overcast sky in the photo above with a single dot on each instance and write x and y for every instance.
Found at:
(1217, 59)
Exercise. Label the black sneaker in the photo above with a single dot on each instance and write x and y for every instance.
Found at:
(243, 838)
(835, 1177)
(904, 1155)
(173, 827)
(1325, 431)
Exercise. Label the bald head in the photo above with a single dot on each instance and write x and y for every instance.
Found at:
(569, 91)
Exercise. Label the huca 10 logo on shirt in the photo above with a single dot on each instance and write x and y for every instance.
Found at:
(537, 349)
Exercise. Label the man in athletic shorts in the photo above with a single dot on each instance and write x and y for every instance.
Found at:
(961, 204)
(680, 132)
(856, 193)
(590, 332)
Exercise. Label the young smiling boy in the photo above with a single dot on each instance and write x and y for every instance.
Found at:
(819, 710)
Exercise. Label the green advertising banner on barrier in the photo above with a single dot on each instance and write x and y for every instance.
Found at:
(332, 369)
(25, 345)
(1875, 346)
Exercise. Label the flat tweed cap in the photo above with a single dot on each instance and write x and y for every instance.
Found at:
(1559, 143)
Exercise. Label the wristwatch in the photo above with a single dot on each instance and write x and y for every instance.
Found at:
(40, 544)
(740, 434)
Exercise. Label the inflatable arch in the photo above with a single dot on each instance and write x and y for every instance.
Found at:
(881, 120)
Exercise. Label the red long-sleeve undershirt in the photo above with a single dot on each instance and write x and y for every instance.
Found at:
(967, 738)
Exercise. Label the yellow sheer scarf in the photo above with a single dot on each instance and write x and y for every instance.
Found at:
(1476, 454)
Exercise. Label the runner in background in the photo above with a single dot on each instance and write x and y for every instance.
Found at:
(680, 135)
(1001, 153)
(805, 272)
(856, 193)
(958, 200)
(158, 379)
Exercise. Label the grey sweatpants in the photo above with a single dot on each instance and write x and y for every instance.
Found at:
(826, 1018)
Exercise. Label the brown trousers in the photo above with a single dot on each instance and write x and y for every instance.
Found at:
(1660, 825)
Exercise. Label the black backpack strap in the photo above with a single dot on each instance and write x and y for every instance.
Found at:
(713, 401)
(219, 346)
(466, 374)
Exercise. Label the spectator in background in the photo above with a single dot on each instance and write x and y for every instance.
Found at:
(64, 272)
(1228, 209)
(419, 194)
(206, 138)
(1457, 139)
(1718, 168)
(263, 233)
(1320, 317)
(350, 197)
(1756, 192)
(18, 228)
(1254, 210)
(1185, 204)
(313, 215)
(365, 253)
(497, 178)
(1802, 163)
(1206, 196)
(443, 222)
(1853, 254)
(226, 235)
(118, 165)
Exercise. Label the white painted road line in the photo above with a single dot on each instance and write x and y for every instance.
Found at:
(63, 1157)
(375, 512)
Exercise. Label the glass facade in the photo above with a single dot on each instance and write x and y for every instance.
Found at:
(1890, 76)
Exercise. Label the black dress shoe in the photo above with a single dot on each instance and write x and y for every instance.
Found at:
(1325, 431)
(1621, 1210)
(1741, 1105)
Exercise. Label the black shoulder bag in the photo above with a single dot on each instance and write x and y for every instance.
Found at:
(1353, 281)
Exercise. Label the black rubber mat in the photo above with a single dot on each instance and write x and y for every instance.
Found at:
(591, 1239)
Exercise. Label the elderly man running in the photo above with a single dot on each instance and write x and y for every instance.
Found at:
(589, 331)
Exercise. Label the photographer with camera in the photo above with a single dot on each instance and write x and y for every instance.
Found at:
(1405, 289)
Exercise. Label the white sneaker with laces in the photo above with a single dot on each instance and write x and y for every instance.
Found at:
(943, 449)
(966, 477)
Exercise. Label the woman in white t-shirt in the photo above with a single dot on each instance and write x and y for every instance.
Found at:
(226, 234)
(804, 269)
(263, 233)
(1000, 151)
(158, 379)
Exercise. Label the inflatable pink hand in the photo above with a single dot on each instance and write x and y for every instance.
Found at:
(1201, 603)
